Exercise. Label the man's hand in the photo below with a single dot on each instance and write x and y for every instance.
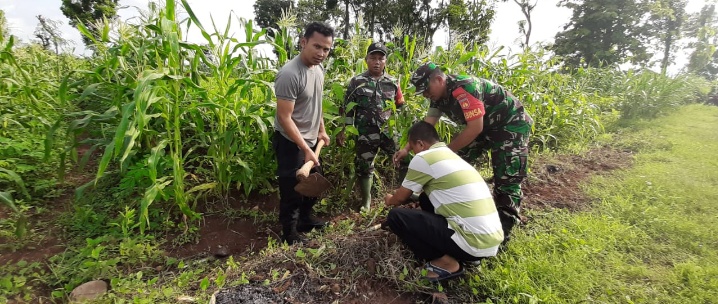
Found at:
(399, 155)
(398, 198)
(341, 138)
(310, 155)
(323, 136)
(387, 199)
(466, 136)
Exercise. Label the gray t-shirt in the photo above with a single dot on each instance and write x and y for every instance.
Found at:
(302, 85)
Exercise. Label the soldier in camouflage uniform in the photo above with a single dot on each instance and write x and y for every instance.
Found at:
(494, 121)
(375, 94)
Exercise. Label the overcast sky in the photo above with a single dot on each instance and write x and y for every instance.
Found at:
(547, 19)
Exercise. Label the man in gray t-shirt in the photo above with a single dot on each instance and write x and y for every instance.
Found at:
(299, 126)
(301, 85)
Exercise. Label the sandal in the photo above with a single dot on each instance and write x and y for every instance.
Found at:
(443, 273)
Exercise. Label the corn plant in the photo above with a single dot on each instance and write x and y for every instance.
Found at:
(144, 80)
(198, 116)
(238, 96)
(175, 106)
(6, 198)
(29, 86)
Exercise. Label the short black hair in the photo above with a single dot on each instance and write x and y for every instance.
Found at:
(319, 27)
(423, 131)
(436, 72)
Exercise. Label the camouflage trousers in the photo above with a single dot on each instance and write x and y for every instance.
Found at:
(370, 140)
(509, 151)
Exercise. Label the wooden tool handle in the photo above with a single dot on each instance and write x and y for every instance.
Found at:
(303, 172)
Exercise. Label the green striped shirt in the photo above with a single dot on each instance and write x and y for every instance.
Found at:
(458, 192)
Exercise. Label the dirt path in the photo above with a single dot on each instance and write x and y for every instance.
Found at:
(554, 181)
(44, 238)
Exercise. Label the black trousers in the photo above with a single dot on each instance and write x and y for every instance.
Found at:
(290, 158)
(426, 233)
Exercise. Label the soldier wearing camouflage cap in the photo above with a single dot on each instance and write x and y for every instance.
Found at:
(494, 121)
(375, 94)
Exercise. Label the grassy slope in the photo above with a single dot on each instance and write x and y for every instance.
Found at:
(649, 237)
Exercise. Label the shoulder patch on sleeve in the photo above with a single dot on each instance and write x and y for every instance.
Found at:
(473, 107)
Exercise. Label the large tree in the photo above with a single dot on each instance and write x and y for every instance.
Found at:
(268, 12)
(89, 12)
(392, 19)
(469, 21)
(48, 34)
(703, 26)
(326, 11)
(666, 23)
(525, 26)
(349, 5)
(603, 32)
(710, 70)
(4, 29)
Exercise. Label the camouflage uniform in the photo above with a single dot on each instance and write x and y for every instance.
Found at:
(505, 134)
(373, 108)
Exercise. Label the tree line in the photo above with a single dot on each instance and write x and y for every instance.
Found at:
(645, 33)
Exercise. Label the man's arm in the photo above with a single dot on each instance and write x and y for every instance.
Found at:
(466, 136)
(284, 116)
(399, 98)
(432, 120)
(323, 132)
(399, 197)
(473, 109)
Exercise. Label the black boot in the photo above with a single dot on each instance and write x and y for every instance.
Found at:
(307, 222)
(507, 223)
(291, 235)
(310, 223)
(289, 203)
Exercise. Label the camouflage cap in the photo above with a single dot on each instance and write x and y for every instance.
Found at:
(420, 78)
(377, 47)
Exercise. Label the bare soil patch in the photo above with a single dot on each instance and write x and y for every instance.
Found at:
(236, 227)
(43, 239)
(221, 236)
(554, 182)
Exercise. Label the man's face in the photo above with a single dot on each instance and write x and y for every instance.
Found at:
(435, 89)
(316, 48)
(376, 62)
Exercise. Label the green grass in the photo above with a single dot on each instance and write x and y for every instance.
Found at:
(649, 237)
